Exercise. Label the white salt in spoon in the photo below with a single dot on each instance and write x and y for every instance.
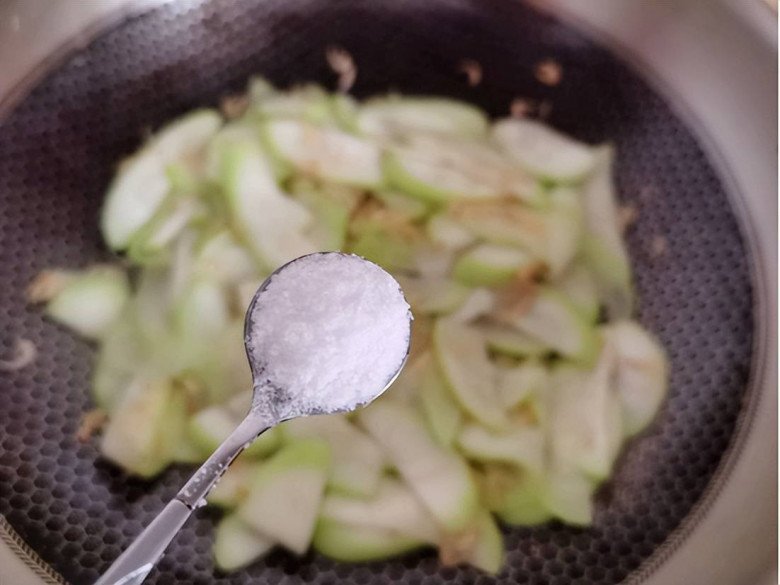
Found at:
(325, 333)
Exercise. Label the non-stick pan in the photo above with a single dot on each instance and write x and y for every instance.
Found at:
(59, 147)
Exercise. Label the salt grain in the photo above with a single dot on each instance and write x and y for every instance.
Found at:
(329, 331)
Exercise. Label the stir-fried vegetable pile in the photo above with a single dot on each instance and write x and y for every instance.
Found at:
(527, 374)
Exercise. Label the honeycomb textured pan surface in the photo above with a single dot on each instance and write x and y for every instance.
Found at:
(60, 146)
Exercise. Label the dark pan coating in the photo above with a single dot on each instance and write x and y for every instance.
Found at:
(58, 150)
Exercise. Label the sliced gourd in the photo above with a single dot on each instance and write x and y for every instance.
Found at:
(516, 496)
(552, 320)
(222, 366)
(325, 152)
(568, 496)
(504, 222)
(471, 377)
(236, 545)
(91, 301)
(491, 265)
(150, 244)
(434, 295)
(580, 287)
(439, 477)
(393, 509)
(357, 461)
(201, 311)
(345, 112)
(221, 259)
(552, 235)
(386, 238)
(137, 436)
(488, 552)
(565, 230)
(432, 261)
(118, 362)
(186, 452)
(526, 498)
(438, 406)
(389, 250)
(521, 383)
(141, 184)
(211, 426)
(233, 487)
(641, 373)
(604, 250)
(445, 232)
(585, 424)
(481, 547)
(351, 544)
(331, 219)
(200, 338)
(286, 493)
(393, 116)
(309, 102)
(510, 342)
(233, 134)
(544, 152)
(439, 169)
(180, 271)
(480, 302)
(269, 222)
(331, 207)
(406, 387)
(521, 445)
(407, 206)
(259, 88)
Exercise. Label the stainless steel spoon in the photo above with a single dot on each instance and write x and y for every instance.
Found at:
(269, 408)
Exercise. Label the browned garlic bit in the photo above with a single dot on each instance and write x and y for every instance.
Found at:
(627, 216)
(549, 72)
(47, 284)
(473, 71)
(92, 421)
(234, 106)
(659, 246)
(521, 107)
(341, 62)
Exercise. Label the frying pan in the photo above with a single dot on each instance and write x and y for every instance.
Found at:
(697, 273)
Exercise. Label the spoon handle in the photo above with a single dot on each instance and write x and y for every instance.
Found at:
(196, 489)
(135, 563)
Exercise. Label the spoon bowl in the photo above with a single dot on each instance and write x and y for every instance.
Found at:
(348, 315)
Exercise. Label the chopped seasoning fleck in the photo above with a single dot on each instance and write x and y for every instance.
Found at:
(549, 72)
(521, 108)
(92, 421)
(473, 71)
(24, 354)
(627, 216)
(234, 106)
(47, 285)
(341, 62)
(659, 246)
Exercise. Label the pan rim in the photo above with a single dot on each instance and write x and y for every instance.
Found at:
(760, 360)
